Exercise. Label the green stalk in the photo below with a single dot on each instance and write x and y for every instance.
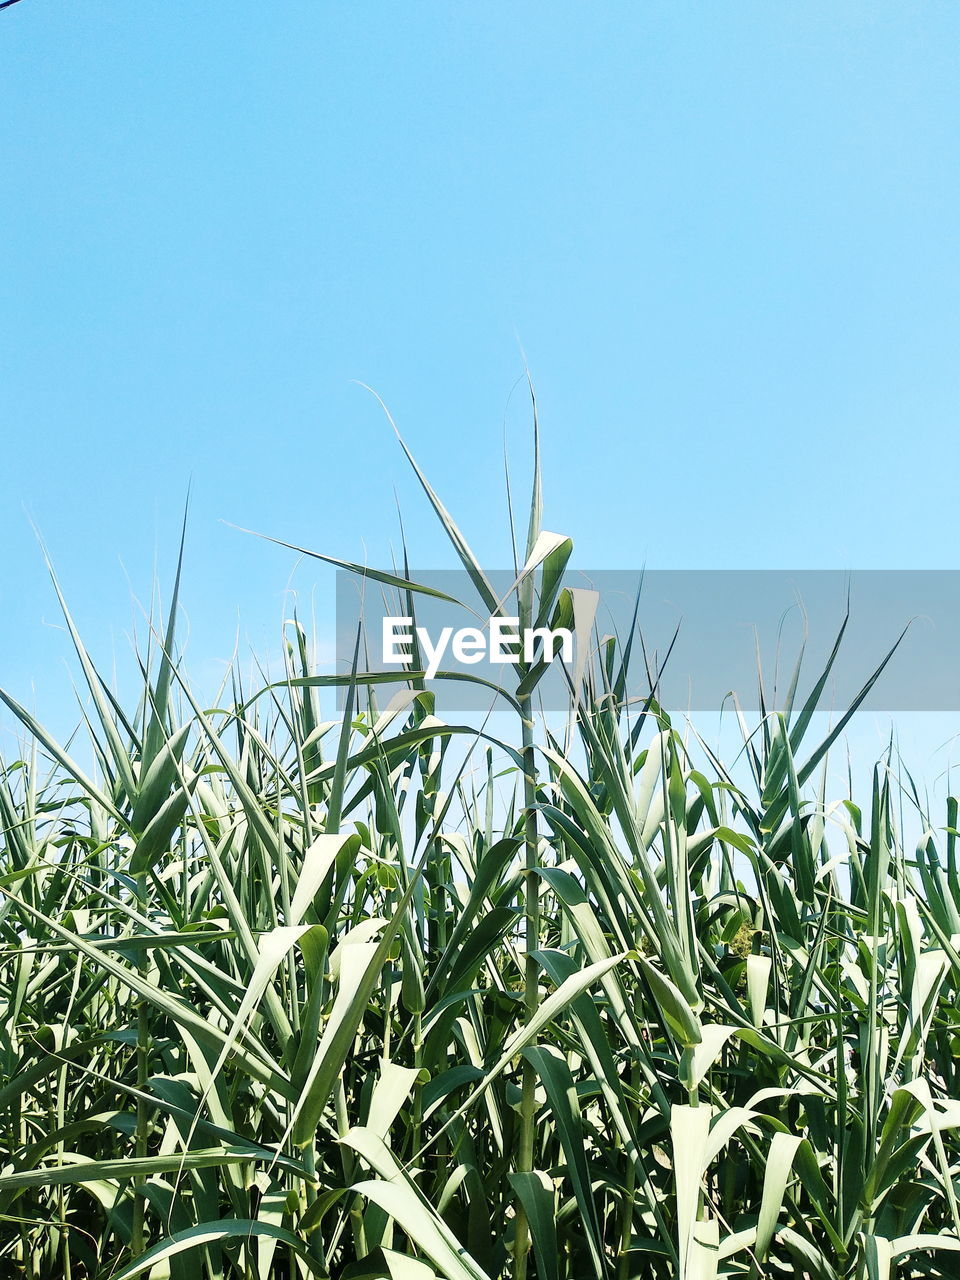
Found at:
(528, 1083)
(626, 1219)
(137, 1243)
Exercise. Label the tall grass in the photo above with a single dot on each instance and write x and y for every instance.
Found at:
(387, 996)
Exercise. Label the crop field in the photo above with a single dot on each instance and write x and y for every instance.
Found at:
(391, 995)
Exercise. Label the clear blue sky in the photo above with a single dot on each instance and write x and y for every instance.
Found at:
(726, 236)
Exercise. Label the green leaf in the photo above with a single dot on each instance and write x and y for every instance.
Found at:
(677, 1013)
(535, 1192)
(206, 1233)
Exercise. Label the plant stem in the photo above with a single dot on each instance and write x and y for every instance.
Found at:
(521, 1241)
(143, 1121)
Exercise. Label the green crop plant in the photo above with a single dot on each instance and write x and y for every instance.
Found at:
(390, 996)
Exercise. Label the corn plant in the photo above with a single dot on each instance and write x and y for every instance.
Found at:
(390, 996)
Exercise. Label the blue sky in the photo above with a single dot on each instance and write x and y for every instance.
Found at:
(725, 236)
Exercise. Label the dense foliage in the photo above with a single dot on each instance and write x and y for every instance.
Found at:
(386, 996)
